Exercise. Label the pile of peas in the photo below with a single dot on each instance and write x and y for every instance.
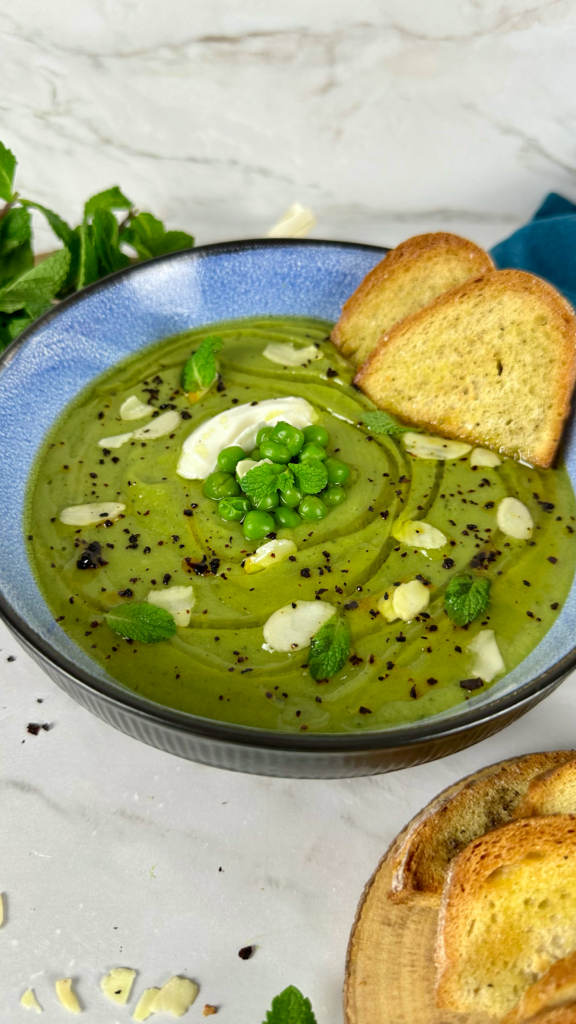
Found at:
(281, 444)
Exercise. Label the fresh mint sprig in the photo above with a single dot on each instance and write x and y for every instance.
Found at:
(380, 422)
(201, 371)
(290, 1007)
(261, 481)
(147, 623)
(329, 649)
(466, 597)
(311, 476)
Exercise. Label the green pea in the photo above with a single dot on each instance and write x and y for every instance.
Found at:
(311, 451)
(221, 485)
(317, 435)
(334, 495)
(230, 457)
(275, 451)
(269, 502)
(292, 497)
(233, 510)
(255, 454)
(288, 435)
(312, 508)
(258, 524)
(338, 472)
(263, 435)
(287, 517)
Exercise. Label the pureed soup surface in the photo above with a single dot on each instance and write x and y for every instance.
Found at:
(218, 666)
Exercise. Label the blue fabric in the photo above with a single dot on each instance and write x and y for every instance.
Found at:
(545, 246)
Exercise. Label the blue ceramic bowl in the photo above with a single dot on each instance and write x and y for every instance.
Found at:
(63, 351)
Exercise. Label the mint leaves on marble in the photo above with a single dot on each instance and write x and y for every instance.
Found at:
(147, 623)
(290, 1007)
(201, 371)
(466, 598)
(380, 422)
(112, 235)
(329, 649)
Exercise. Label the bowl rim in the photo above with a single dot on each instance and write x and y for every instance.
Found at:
(421, 731)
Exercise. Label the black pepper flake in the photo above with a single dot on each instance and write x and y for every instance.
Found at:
(115, 458)
(351, 605)
(305, 573)
(166, 578)
(126, 593)
(34, 728)
(471, 684)
(384, 514)
(530, 615)
(91, 557)
(553, 607)
(11, 657)
(431, 681)
(401, 639)
(185, 415)
(526, 583)
(432, 629)
(364, 711)
(458, 650)
(552, 559)
(147, 551)
(389, 665)
(354, 659)
(413, 693)
(291, 558)
(188, 512)
(546, 506)
(331, 373)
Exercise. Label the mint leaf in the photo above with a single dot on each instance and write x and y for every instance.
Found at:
(261, 481)
(7, 168)
(106, 244)
(200, 370)
(290, 1007)
(87, 260)
(142, 621)
(61, 229)
(329, 649)
(16, 263)
(380, 422)
(312, 476)
(148, 236)
(466, 598)
(110, 199)
(11, 325)
(37, 286)
(15, 229)
(285, 480)
(174, 241)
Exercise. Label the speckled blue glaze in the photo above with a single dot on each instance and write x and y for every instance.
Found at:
(57, 357)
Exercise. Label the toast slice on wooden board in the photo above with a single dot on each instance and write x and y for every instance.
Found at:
(508, 912)
(409, 277)
(555, 988)
(492, 362)
(481, 803)
(552, 792)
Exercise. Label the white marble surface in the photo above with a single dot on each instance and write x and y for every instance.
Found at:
(387, 118)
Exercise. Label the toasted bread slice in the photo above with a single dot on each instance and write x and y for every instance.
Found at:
(555, 988)
(492, 362)
(552, 792)
(408, 278)
(481, 803)
(508, 911)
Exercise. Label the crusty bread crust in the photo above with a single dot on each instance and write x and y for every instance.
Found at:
(402, 269)
(560, 1015)
(552, 792)
(482, 802)
(496, 932)
(459, 409)
(555, 988)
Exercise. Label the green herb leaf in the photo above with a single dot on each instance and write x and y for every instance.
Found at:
(312, 476)
(7, 169)
(87, 260)
(329, 649)
(147, 235)
(106, 244)
(290, 1007)
(61, 229)
(110, 199)
(15, 229)
(174, 241)
(11, 325)
(261, 481)
(142, 621)
(285, 480)
(200, 371)
(380, 422)
(466, 598)
(16, 263)
(37, 286)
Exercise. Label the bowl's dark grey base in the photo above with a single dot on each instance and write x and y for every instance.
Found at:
(258, 759)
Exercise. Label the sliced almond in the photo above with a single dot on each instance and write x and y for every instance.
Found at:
(427, 446)
(409, 599)
(66, 995)
(488, 661)
(134, 409)
(145, 1003)
(484, 457)
(514, 519)
(116, 985)
(179, 601)
(272, 553)
(289, 355)
(115, 442)
(165, 424)
(296, 222)
(29, 1001)
(291, 628)
(175, 997)
(418, 534)
(386, 607)
(91, 514)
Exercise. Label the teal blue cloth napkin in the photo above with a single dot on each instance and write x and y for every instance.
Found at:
(545, 246)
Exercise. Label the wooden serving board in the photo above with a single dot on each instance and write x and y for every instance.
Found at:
(390, 963)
